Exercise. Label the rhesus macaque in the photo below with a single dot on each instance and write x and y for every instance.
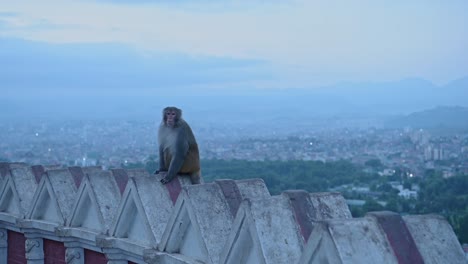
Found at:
(178, 149)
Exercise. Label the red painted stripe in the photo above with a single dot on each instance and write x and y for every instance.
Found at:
(54, 252)
(174, 187)
(304, 211)
(16, 248)
(231, 193)
(77, 174)
(38, 171)
(399, 237)
(4, 169)
(121, 177)
(94, 257)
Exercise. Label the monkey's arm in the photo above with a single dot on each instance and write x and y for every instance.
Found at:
(162, 165)
(180, 151)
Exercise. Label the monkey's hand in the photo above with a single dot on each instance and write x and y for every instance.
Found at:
(166, 179)
(159, 171)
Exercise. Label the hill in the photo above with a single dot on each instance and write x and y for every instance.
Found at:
(442, 118)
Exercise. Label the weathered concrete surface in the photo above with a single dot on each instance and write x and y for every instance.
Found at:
(465, 249)
(144, 211)
(107, 195)
(211, 219)
(156, 257)
(17, 192)
(6, 167)
(174, 187)
(383, 237)
(311, 207)
(77, 174)
(398, 236)
(274, 230)
(203, 217)
(435, 239)
(54, 197)
(348, 241)
(156, 203)
(94, 209)
(221, 222)
(329, 205)
(121, 178)
(96, 202)
(141, 218)
(252, 189)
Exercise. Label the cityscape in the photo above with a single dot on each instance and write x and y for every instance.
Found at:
(115, 143)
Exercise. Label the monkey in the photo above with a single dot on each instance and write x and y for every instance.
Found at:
(178, 149)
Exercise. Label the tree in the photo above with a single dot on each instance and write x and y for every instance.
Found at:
(374, 163)
(372, 205)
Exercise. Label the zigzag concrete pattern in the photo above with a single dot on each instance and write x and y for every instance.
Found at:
(80, 215)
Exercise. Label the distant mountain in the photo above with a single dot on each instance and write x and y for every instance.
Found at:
(89, 81)
(456, 91)
(441, 118)
(100, 80)
(403, 96)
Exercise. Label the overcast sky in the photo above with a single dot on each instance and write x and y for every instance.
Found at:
(230, 44)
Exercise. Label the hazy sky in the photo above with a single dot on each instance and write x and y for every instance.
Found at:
(236, 44)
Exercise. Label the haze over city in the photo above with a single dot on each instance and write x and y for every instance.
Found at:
(93, 76)
(130, 58)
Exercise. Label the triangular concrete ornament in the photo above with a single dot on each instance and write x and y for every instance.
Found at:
(184, 236)
(45, 206)
(9, 200)
(140, 220)
(275, 229)
(357, 240)
(264, 231)
(54, 197)
(16, 199)
(86, 214)
(132, 222)
(94, 207)
(143, 214)
(203, 217)
(243, 246)
(96, 203)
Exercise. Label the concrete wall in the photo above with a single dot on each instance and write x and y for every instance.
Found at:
(89, 215)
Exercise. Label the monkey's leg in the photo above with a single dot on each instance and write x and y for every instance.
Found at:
(162, 163)
(178, 153)
(174, 167)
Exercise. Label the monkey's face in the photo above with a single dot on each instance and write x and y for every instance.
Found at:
(171, 116)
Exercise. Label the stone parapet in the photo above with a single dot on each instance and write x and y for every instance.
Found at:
(51, 214)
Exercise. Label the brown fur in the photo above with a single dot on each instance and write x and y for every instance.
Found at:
(178, 139)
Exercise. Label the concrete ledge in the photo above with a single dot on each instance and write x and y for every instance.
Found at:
(383, 237)
(128, 215)
(152, 256)
(435, 239)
